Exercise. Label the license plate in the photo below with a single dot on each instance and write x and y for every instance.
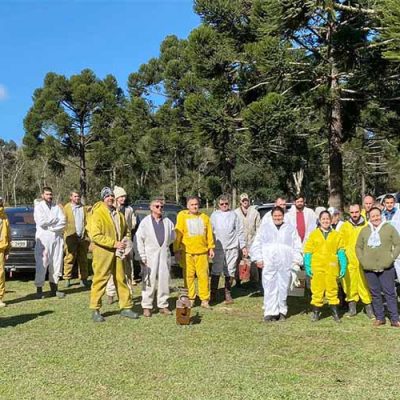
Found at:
(19, 243)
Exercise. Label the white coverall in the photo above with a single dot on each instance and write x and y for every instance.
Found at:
(395, 221)
(268, 217)
(310, 220)
(280, 250)
(228, 238)
(49, 249)
(155, 260)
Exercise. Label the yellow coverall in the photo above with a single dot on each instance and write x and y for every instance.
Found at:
(5, 245)
(104, 236)
(354, 283)
(194, 238)
(75, 248)
(324, 266)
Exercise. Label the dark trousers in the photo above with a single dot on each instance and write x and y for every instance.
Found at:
(383, 282)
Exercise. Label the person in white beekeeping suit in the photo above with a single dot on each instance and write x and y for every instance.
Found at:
(50, 222)
(153, 237)
(277, 250)
(279, 202)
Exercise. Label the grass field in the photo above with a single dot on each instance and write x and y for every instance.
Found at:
(52, 350)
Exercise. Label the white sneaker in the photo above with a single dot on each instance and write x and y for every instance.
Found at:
(2, 304)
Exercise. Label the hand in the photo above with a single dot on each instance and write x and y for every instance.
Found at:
(177, 255)
(120, 245)
(260, 264)
(342, 272)
(245, 252)
(211, 253)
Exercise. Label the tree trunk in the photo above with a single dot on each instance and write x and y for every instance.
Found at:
(176, 179)
(82, 166)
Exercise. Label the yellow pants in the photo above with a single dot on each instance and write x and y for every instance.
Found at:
(324, 284)
(197, 265)
(355, 285)
(2, 276)
(75, 249)
(102, 270)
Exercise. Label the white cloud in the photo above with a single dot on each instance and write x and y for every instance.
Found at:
(3, 92)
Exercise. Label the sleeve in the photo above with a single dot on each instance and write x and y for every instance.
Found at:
(309, 246)
(257, 220)
(210, 235)
(179, 231)
(141, 242)
(7, 250)
(297, 249)
(97, 235)
(40, 218)
(60, 223)
(239, 230)
(256, 248)
(360, 247)
(172, 234)
(396, 244)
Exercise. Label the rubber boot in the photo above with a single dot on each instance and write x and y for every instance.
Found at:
(39, 293)
(54, 291)
(214, 288)
(352, 309)
(316, 313)
(369, 311)
(335, 314)
(228, 287)
(85, 284)
(97, 317)
(68, 283)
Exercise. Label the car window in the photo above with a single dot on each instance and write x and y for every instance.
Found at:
(20, 218)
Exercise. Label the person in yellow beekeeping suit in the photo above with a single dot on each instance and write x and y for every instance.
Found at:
(354, 283)
(195, 243)
(323, 253)
(5, 245)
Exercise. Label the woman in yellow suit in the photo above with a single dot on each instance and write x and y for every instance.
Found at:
(323, 253)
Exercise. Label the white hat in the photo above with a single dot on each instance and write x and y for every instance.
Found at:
(333, 211)
(119, 192)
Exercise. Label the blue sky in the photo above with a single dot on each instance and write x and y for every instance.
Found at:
(66, 36)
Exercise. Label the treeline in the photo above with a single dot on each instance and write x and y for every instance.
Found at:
(265, 96)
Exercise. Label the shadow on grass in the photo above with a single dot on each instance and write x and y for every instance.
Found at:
(21, 319)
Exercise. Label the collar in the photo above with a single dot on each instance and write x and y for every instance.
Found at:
(360, 222)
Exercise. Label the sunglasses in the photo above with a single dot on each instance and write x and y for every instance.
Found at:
(158, 206)
(224, 204)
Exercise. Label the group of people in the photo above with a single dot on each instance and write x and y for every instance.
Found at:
(359, 254)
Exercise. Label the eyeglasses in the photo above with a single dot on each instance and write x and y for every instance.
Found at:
(158, 206)
(224, 204)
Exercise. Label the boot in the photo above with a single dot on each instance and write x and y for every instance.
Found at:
(128, 313)
(282, 317)
(54, 291)
(352, 309)
(228, 286)
(68, 283)
(335, 314)
(214, 288)
(39, 293)
(97, 317)
(316, 313)
(85, 284)
(369, 311)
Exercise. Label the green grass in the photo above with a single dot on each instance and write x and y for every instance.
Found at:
(52, 350)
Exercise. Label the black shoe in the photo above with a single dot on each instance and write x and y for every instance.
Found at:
(369, 311)
(55, 292)
(282, 318)
(316, 313)
(97, 317)
(269, 318)
(128, 313)
(352, 309)
(39, 293)
(335, 314)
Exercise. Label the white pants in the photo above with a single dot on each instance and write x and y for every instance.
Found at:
(111, 290)
(225, 261)
(51, 258)
(276, 286)
(150, 285)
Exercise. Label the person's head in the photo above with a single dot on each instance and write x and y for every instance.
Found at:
(281, 202)
(325, 219)
(193, 204)
(355, 212)
(299, 202)
(368, 202)
(335, 215)
(75, 197)
(375, 216)
(47, 194)
(277, 214)
(223, 203)
(120, 195)
(244, 200)
(389, 202)
(156, 208)
(107, 195)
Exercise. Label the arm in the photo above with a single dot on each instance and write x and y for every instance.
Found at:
(307, 259)
(61, 222)
(256, 250)
(360, 247)
(141, 243)
(41, 218)
(98, 236)
(257, 221)
(210, 235)
(297, 248)
(396, 244)
(239, 231)
(179, 231)
(172, 234)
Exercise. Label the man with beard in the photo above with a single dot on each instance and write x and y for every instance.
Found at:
(354, 283)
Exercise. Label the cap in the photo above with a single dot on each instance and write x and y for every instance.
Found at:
(244, 196)
(119, 192)
(105, 192)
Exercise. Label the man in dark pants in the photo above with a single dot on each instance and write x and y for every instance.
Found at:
(378, 246)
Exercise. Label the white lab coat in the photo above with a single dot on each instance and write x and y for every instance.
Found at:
(280, 251)
(228, 238)
(155, 260)
(50, 223)
(310, 220)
